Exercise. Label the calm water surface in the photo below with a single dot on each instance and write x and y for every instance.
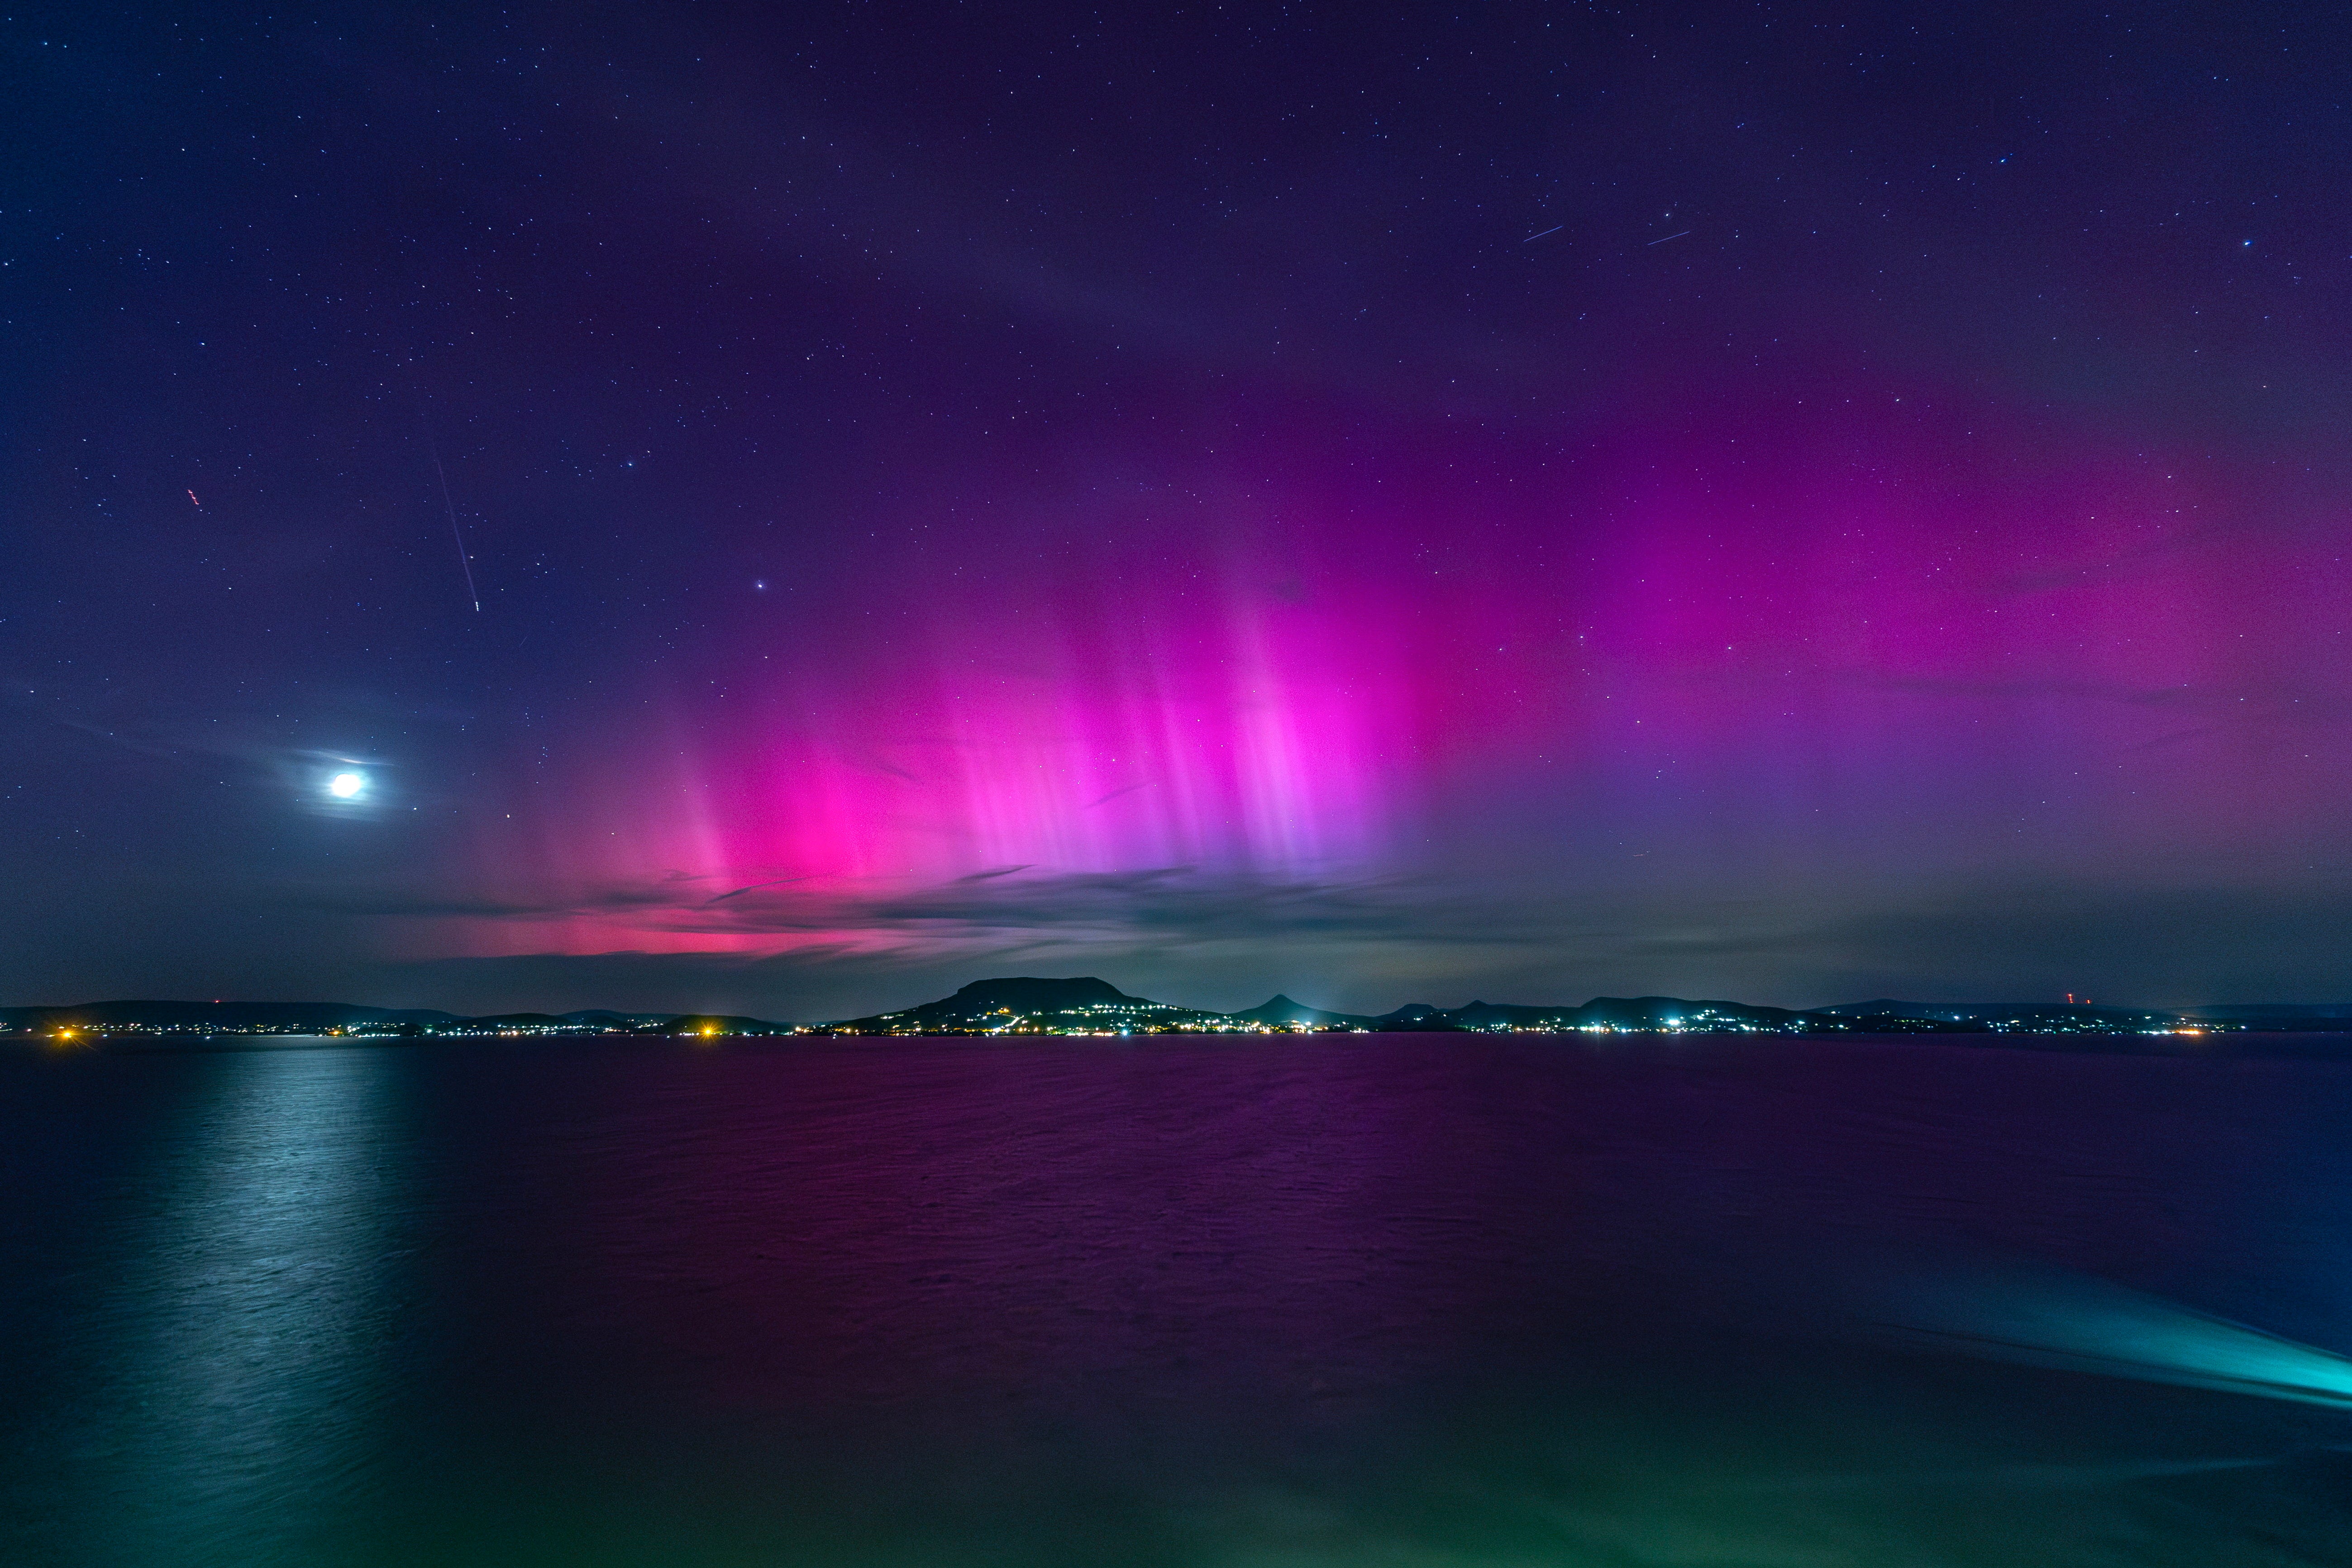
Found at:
(1400, 1301)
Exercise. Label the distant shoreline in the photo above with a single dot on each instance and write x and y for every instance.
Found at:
(2315, 1045)
(1086, 1007)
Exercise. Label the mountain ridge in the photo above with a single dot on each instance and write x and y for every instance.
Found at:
(1089, 1005)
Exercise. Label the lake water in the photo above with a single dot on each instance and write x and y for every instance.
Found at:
(1400, 1301)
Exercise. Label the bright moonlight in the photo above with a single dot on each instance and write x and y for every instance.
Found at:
(346, 786)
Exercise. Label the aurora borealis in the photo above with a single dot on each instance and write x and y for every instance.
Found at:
(1776, 502)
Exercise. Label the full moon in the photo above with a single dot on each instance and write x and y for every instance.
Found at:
(346, 786)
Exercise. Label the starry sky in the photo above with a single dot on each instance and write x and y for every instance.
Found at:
(790, 509)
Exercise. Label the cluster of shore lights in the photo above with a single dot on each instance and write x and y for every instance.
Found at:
(1020, 1022)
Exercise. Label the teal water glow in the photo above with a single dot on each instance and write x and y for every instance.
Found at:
(2043, 1318)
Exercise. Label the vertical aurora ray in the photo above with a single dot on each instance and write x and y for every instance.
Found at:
(1751, 657)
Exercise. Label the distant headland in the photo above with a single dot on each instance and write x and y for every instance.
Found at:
(1027, 1006)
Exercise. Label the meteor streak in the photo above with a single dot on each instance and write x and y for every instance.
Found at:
(463, 561)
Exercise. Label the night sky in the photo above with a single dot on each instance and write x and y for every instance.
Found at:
(1792, 503)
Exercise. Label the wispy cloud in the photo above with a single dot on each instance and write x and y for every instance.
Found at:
(2265, 701)
(259, 740)
(1164, 903)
